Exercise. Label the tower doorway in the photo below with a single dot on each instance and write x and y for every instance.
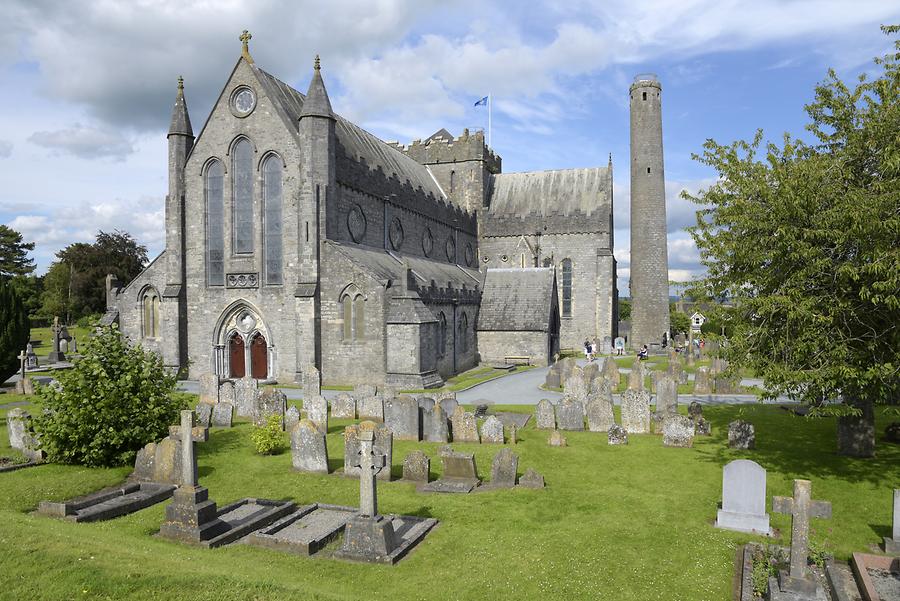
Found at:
(237, 366)
(259, 357)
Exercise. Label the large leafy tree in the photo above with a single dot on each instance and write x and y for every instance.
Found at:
(14, 258)
(75, 283)
(14, 329)
(805, 240)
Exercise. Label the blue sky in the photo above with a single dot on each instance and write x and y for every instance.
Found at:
(89, 87)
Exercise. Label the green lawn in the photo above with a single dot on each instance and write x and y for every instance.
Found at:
(617, 523)
(46, 338)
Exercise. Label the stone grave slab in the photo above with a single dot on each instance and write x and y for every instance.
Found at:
(317, 411)
(459, 474)
(309, 452)
(204, 414)
(519, 420)
(667, 395)
(221, 414)
(617, 435)
(245, 516)
(465, 428)
(741, 435)
(291, 418)
(503, 470)
(226, 392)
(401, 415)
(702, 383)
(416, 467)
(892, 543)
(270, 402)
(435, 427)
(343, 406)
(600, 414)
(531, 479)
(678, 431)
(448, 404)
(557, 439)
(304, 531)
(744, 498)
(246, 391)
(209, 388)
(108, 503)
(370, 408)
(570, 414)
(492, 431)
(636, 411)
(544, 415)
(312, 382)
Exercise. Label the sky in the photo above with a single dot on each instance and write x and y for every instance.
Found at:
(89, 87)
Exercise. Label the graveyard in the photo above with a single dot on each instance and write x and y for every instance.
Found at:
(634, 521)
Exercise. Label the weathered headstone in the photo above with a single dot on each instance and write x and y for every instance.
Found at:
(492, 431)
(382, 444)
(600, 413)
(570, 415)
(204, 414)
(291, 418)
(531, 479)
(458, 473)
(743, 498)
(544, 415)
(401, 415)
(590, 373)
(222, 415)
(370, 408)
(448, 404)
(513, 433)
(553, 379)
(701, 381)
(741, 435)
(667, 395)
(209, 388)
(317, 411)
(18, 427)
(271, 402)
(557, 439)
(343, 406)
(31, 358)
(226, 392)
(636, 411)
(416, 467)
(702, 427)
(361, 391)
(617, 435)
(312, 382)
(678, 431)
(801, 508)
(434, 425)
(425, 402)
(636, 376)
(611, 372)
(309, 452)
(503, 469)
(577, 386)
(246, 391)
(892, 544)
(695, 410)
(465, 428)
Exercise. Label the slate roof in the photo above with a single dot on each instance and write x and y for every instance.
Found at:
(558, 192)
(515, 300)
(357, 142)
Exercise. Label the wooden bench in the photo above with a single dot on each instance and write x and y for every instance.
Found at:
(518, 359)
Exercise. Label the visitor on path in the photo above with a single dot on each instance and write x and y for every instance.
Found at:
(643, 353)
(587, 351)
(594, 350)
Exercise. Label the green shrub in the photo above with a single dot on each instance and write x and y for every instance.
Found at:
(89, 321)
(268, 439)
(766, 563)
(117, 398)
(14, 329)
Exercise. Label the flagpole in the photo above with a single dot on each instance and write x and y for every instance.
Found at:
(490, 102)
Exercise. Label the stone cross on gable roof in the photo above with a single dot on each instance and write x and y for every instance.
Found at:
(245, 45)
(800, 507)
(369, 465)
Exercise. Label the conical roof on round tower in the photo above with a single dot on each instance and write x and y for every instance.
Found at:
(181, 121)
(317, 103)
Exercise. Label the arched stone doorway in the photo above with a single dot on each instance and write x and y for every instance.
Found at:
(259, 364)
(242, 344)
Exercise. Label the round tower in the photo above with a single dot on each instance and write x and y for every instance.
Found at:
(649, 256)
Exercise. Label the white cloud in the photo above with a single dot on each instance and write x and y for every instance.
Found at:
(6, 148)
(85, 142)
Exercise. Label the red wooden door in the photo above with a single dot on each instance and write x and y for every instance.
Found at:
(259, 360)
(236, 353)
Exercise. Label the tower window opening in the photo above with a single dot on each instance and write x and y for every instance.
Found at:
(648, 169)
(643, 95)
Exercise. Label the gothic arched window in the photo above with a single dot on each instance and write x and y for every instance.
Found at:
(463, 331)
(442, 334)
(242, 196)
(150, 310)
(353, 308)
(567, 288)
(452, 182)
(215, 224)
(272, 168)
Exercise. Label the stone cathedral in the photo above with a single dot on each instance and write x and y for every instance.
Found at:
(295, 238)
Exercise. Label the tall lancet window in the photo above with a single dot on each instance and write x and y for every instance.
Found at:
(215, 226)
(272, 198)
(567, 288)
(242, 197)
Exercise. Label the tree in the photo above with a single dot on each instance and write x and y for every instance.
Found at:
(75, 285)
(624, 309)
(14, 253)
(116, 399)
(805, 241)
(678, 321)
(14, 329)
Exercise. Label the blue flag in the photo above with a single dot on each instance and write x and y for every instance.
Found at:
(482, 102)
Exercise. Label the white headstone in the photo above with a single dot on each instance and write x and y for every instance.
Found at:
(743, 498)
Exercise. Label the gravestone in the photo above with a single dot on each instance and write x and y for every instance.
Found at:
(577, 386)
(741, 435)
(636, 411)
(678, 431)
(222, 415)
(434, 425)
(544, 415)
(570, 415)
(611, 372)
(343, 406)
(553, 379)
(727, 385)
(31, 358)
(801, 508)
(557, 439)
(531, 479)
(425, 403)
(291, 418)
(317, 411)
(492, 430)
(600, 414)
(21, 435)
(481, 410)
(513, 433)
(382, 444)
(448, 404)
(458, 473)
(465, 428)
(204, 414)
(702, 427)
(401, 415)
(892, 544)
(370, 408)
(503, 469)
(617, 435)
(56, 355)
(271, 402)
(701, 381)
(695, 410)
(308, 450)
(416, 467)
(667, 396)
(590, 371)
(209, 388)
(361, 391)
(312, 382)
(743, 498)
(226, 392)
(246, 391)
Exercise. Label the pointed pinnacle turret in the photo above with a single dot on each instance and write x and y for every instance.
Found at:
(245, 45)
(181, 121)
(317, 103)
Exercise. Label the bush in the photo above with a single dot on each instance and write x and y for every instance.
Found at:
(268, 439)
(14, 329)
(117, 398)
(89, 321)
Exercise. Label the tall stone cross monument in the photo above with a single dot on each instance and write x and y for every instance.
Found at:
(800, 507)
(22, 357)
(369, 465)
(56, 356)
